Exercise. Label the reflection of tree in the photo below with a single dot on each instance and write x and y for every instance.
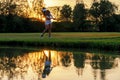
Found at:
(95, 61)
(102, 62)
(105, 63)
(7, 65)
(66, 59)
(79, 62)
(14, 65)
(19, 64)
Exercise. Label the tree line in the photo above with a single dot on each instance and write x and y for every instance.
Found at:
(101, 16)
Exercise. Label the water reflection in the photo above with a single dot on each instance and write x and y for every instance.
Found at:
(47, 66)
(58, 65)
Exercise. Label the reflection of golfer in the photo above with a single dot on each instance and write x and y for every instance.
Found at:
(47, 67)
(48, 22)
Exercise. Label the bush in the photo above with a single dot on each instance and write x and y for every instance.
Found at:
(14, 23)
(62, 26)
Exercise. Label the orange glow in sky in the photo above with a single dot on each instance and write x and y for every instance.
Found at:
(49, 3)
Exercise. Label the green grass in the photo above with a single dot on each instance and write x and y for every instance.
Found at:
(91, 40)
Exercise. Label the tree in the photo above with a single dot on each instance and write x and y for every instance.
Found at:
(113, 23)
(107, 9)
(7, 7)
(26, 8)
(15, 13)
(101, 11)
(66, 12)
(79, 16)
(95, 12)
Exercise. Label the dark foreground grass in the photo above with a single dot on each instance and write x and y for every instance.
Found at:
(102, 41)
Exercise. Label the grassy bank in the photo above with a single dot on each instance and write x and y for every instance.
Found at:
(102, 41)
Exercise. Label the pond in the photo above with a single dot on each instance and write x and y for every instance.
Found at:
(54, 64)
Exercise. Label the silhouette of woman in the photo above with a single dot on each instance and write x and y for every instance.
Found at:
(48, 22)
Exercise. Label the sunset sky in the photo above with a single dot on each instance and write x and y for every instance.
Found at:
(50, 3)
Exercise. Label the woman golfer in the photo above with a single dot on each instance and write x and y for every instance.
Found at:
(48, 22)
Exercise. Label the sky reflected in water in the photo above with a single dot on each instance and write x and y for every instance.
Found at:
(19, 64)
